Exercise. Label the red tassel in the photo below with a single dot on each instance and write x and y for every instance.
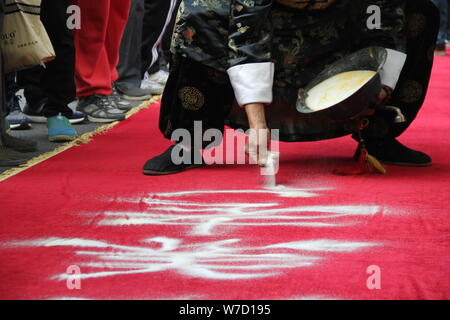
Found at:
(366, 164)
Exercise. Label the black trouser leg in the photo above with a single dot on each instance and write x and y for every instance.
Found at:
(194, 92)
(30, 81)
(415, 79)
(2, 98)
(129, 67)
(412, 86)
(155, 22)
(167, 38)
(55, 82)
(2, 82)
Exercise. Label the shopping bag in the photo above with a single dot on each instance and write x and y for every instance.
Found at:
(24, 40)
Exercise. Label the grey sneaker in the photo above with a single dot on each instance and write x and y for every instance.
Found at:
(160, 77)
(137, 94)
(16, 118)
(99, 108)
(154, 86)
(118, 102)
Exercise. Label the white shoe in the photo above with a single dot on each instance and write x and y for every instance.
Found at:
(161, 76)
(155, 88)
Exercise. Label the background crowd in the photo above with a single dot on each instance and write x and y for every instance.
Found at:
(117, 55)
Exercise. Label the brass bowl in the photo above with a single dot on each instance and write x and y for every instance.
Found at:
(373, 59)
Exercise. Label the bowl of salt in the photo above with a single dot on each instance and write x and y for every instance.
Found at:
(345, 89)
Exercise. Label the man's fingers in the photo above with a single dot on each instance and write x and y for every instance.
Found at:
(257, 146)
(262, 149)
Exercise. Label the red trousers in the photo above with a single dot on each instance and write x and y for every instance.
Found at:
(97, 44)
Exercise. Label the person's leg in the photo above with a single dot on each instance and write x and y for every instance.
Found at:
(117, 21)
(443, 10)
(158, 16)
(166, 41)
(92, 68)
(128, 85)
(194, 93)
(49, 90)
(448, 20)
(57, 79)
(8, 144)
(129, 67)
(2, 89)
(30, 81)
(16, 118)
(8, 156)
(445, 17)
(97, 50)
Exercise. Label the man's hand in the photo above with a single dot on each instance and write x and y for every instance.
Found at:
(259, 138)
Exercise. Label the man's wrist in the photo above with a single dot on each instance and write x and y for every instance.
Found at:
(256, 115)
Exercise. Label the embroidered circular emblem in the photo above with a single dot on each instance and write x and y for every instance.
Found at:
(191, 98)
(416, 24)
(411, 91)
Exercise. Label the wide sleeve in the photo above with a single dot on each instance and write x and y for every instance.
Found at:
(251, 71)
(390, 35)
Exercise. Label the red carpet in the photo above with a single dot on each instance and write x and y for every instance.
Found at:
(214, 233)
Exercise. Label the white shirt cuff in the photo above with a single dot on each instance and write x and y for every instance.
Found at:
(252, 82)
(390, 73)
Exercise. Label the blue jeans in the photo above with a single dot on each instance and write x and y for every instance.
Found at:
(443, 31)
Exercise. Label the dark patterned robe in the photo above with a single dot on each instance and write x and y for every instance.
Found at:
(212, 36)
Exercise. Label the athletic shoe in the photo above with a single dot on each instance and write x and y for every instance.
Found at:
(60, 129)
(10, 157)
(18, 144)
(163, 165)
(99, 108)
(36, 115)
(159, 77)
(16, 118)
(155, 83)
(154, 87)
(393, 152)
(137, 94)
(118, 102)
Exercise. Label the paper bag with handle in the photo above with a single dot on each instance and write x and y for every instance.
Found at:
(24, 40)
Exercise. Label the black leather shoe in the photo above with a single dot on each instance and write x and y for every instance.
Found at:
(394, 153)
(163, 165)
